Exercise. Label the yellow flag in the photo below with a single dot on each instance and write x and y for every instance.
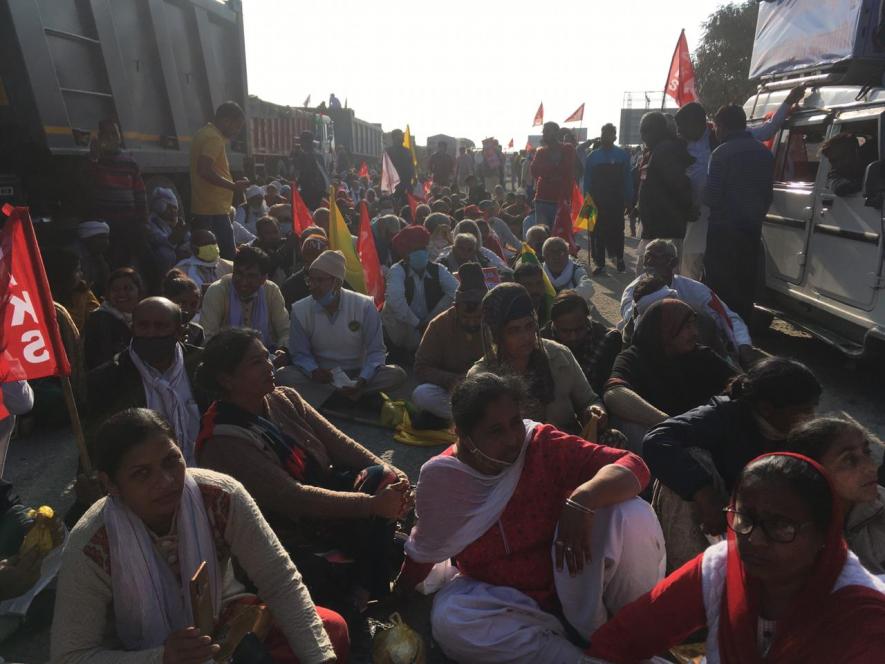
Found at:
(409, 144)
(341, 240)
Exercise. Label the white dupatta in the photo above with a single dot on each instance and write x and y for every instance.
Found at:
(149, 603)
(456, 504)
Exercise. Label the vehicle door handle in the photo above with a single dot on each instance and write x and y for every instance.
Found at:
(826, 203)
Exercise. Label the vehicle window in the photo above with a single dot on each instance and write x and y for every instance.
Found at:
(798, 155)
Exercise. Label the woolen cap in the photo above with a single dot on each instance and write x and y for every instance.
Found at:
(332, 263)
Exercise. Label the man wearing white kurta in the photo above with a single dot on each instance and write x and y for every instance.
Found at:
(336, 329)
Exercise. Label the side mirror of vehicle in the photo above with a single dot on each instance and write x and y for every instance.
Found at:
(873, 185)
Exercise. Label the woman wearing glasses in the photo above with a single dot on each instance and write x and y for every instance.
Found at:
(783, 587)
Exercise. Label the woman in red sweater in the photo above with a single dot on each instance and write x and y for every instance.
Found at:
(783, 588)
(546, 530)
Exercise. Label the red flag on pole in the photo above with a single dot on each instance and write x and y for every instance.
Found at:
(510, 144)
(577, 116)
(30, 346)
(539, 116)
(413, 206)
(301, 217)
(364, 170)
(368, 254)
(562, 226)
(680, 79)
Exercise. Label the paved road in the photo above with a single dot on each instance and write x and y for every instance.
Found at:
(42, 467)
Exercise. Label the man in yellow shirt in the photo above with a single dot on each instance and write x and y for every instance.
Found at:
(212, 186)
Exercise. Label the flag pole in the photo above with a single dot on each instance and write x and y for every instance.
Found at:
(55, 340)
(76, 425)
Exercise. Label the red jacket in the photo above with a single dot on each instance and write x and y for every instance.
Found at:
(554, 173)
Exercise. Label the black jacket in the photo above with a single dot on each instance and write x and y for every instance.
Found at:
(725, 428)
(665, 198)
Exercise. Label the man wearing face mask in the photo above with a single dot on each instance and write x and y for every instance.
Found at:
(417, 289)
(335, 329)
(247, 299)
(451, 345)
(156, 372)
(205, 266)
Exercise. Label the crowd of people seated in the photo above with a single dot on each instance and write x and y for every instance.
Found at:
(590, 461)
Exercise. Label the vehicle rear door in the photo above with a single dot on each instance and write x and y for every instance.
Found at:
(786, 230)
(845, 251)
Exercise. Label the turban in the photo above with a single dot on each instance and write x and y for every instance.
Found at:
(161, 198)
(472, 212)
(88, 229)
(409, 239)
(253, 190)
(332, 263)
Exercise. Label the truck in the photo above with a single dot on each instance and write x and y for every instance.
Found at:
(822, 244)
(274, 130)
(362, 140)
(157, 67)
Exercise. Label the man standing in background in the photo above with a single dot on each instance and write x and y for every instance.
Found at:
(442, 165)
(465, 166)
(553, 169)
(738, 192)
(608, 179)
(212, 186)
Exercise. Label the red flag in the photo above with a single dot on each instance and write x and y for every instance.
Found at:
(30, 345)
(539, 116)
(368, 254)
(562, 226)
(577, 202)
(364, 170)
(680, 79)
(413, 206)
(510, 144)
(301, 217)
(577, 116)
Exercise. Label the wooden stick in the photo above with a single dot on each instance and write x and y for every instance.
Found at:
(76, 425)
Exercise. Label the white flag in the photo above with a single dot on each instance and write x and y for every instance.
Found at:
(389, 176)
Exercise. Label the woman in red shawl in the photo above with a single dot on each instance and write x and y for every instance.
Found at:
(783, 588)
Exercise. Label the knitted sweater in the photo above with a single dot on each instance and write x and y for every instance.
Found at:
(83, 629)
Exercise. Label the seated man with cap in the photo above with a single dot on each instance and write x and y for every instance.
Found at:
(252, 210)
(417, 289)
(205, 266)
(451, 345)
(93, 242)
(336, 331)
(167, 234)
(246, 298)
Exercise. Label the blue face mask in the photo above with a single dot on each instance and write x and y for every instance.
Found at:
(418, 259)
(326, 299)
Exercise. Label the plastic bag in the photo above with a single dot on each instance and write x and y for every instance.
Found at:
(422, 437)
(398, 645)
(393, 412)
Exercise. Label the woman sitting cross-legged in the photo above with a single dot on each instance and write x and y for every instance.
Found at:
(558, 391)
(545, 528)
(664, 372)
(852, 456)
(783, 588)
(320, 489)
(123, 591)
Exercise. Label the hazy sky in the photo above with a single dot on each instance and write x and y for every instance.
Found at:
(464, 68)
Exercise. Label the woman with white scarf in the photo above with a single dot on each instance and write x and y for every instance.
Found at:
(123, 592)
(545, 528)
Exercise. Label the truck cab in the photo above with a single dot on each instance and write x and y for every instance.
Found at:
(823, 252)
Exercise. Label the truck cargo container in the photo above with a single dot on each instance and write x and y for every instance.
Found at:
(159, 67)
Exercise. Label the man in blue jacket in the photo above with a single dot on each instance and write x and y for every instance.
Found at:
(739, 192)
(607, 177)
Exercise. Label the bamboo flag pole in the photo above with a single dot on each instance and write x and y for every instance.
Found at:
(76, 425)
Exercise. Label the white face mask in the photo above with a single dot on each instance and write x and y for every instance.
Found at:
(475, 451)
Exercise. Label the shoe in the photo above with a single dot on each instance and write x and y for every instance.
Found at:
(599, 271)
(621, 266)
